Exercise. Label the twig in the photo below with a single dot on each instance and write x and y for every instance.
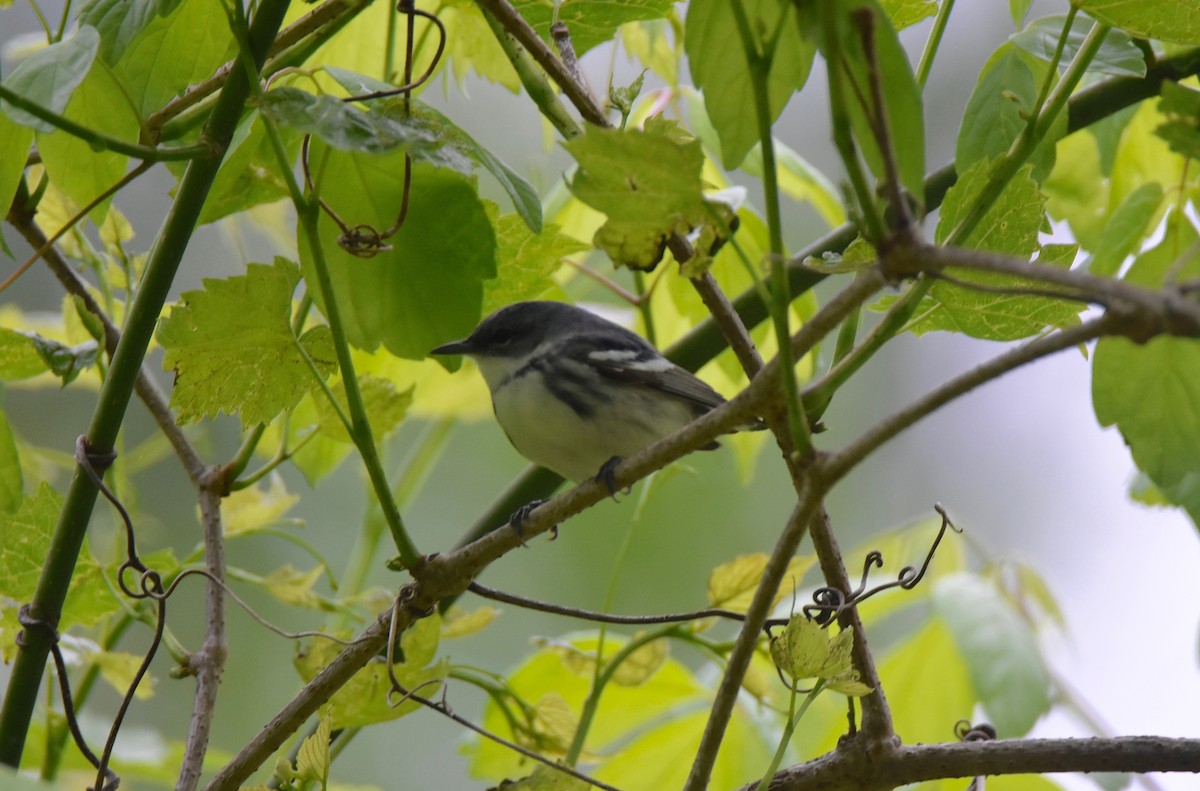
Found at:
(600, 617)
(514, 23)
(207, 663)
(747, 639)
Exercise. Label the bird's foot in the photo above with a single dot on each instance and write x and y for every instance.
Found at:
(521, 515)
(608, 476)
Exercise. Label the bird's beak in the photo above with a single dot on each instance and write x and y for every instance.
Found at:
(453, 347)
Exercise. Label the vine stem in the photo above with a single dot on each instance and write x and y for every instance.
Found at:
(164, 259)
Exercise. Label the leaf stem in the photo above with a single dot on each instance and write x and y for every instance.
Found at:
(102, 142)
(933, 42)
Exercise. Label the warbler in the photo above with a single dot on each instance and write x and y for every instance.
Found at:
(575, 392)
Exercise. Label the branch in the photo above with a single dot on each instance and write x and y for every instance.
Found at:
(851, 769)
(207, 663)
(528, 38)
(25, 680)
(333, 12)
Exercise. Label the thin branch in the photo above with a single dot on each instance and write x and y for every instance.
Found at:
(747, 639)
(329, 13)
(528, 38)
(207, 663)
(600, 617)
(147, 389)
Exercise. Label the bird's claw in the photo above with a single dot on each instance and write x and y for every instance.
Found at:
(608, 477)
(519, 517)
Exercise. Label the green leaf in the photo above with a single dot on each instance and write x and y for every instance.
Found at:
(1011, 227)
(1152, 391)
(176, 43)
(1177, 21)
(1160, 421)
(1001, 653)
(65, 362)
(1118, 55)
(422, 132)
(51, 75)
(800, 181)
(25, 541)
(1181, 130)
(428, 287)
(1011, 223)
(386, 407)
(253, 508)
(998, 110)
(1127, 228)
(590, 22)
(525, 262)
(647, 182)
(364, 699)
(661, 756)
(1142, 156)
(1018, 9)
(73, 165)
(904, 13)
(232, 348)
(472, 46)
(120, 21)
(312, 759)
(731, 585)
(1076, 190)
(249, 175)
(622, 711)
(546, 778)
(901, 94)
(12, 481)
(721, 69)
(18, 357)
(15, 141)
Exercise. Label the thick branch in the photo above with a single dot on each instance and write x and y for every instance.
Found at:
(849, 769)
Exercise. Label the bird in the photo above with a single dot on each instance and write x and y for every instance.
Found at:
(575, 392)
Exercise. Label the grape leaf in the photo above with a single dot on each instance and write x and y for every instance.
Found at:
(51, 75)
(1177, 21)
(232, 347)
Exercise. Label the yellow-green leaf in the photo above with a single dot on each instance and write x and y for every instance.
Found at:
(731, 585)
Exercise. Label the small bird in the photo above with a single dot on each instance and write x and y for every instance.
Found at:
(575, 392)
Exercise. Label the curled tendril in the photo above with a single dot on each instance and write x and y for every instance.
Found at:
(979, 732)
(829, 602)
(364, 240)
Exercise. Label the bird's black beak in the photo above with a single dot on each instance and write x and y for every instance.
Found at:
(453, 347)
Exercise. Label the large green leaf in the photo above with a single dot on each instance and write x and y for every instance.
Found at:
(420, 131)
(721, 68)
(999, 108)
(904, 114)
(14, 141)
(428, 287)
(647, 182)
(1181, 130)
(164, 46)
(80, 171)
(1118, 55)
(997, 310)
(525, 262)
(232, 347)
(120, 21)
(50, 76)
(1127, 228)
(590, 22)
(1000, 651)
(1167, 20)
(1152, 391)
(12, 482)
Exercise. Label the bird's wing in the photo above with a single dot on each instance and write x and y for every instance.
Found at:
(643, 365)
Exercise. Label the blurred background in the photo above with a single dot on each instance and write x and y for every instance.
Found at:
(1021, 464)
